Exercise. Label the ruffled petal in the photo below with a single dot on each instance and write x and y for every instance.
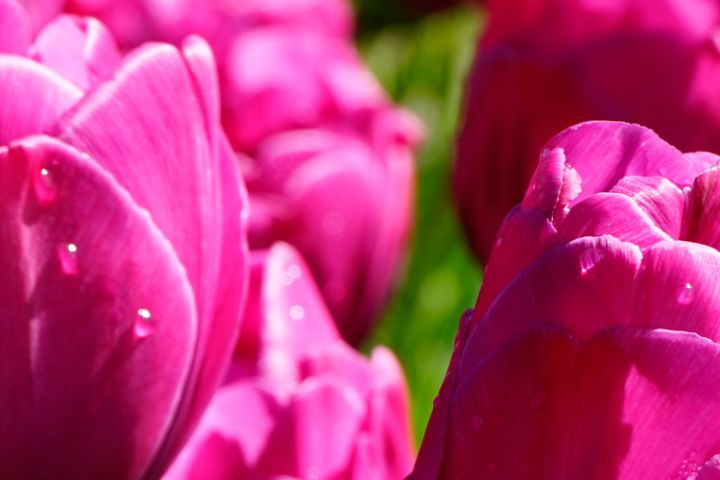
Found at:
(95, 297)
(604, 152)
(586, 285)
(80, 49)
(663, 202)
(32, 97)
(612, 214)
(678, 289)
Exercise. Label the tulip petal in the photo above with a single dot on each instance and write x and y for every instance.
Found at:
(678, 289)
(320, 409)
(586, 285)
(659, 198)
(185, 176)
(32, 97)
(14, 28)
(612, 214)
(604, 152)
(332, 221)
(703, 210)
(523, 236)
(547, 407)
(98, 300)
(80, 49)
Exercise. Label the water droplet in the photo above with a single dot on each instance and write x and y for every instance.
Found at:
(566, 210)
(45, 187)
(477, 422)
(67, 254)
(499, 241)
(144, 323)
(589, 260)
(297, 312)
(292, 273)
(333, 223)
(686, 294)
(539, 399)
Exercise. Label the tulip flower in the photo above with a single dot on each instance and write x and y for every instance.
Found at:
(298, 402)
(124, 254)
(593, 349)
(545, 65)
(345, 205)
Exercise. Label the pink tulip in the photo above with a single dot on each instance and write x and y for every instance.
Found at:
(124, 256)
(593, 349)
(343, 203)
(544, 65)
(298, 402)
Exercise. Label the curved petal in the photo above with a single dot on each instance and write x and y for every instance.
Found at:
(611, 214)
(98, 299)
(14, 28)
(184, 175)
(604, 152)
(293, 319)
(524, 235)
(389, 447)
(547, 407)
(586, 285)
(33, 98)
(701, 222)
(337, 199)
(320, 409)
(678, 289)
(80, 49)
(663, 202)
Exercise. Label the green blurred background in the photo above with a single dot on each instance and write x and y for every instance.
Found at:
(422, 62)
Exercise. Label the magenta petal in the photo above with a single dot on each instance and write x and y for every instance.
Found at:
(101, 302)
(32, 97)
(586, 285)
(14, 28)
(320, 409)
(546, 407)
(178, 168)
(604, 152)
(659, 198)
(704, 207)
(679, 287)
(612, 214)
(80, 49)
(523, 236)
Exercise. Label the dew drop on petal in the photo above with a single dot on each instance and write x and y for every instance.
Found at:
(44, 186)
(67, 254)
(686, 294)
(539, 399)
(144, 323)
(292, 273)
(297, 312)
